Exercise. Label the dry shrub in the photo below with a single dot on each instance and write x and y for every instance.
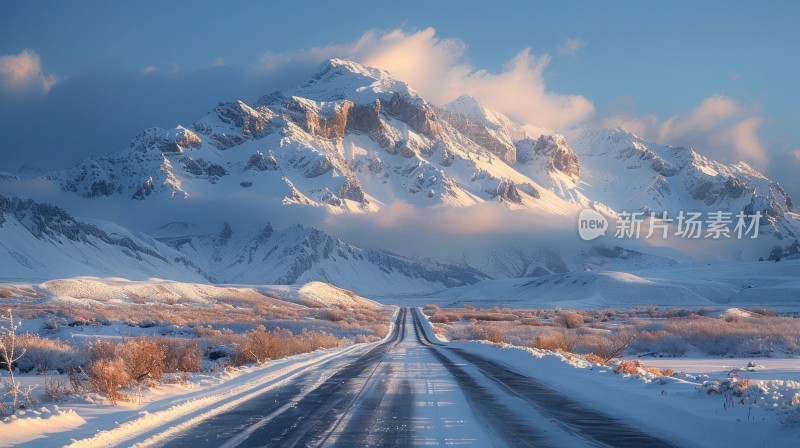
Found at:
(101, 349)
(182, 355)
(310, 303)
(43, 355)
(491, 316)
(107, 376)
(570, 319)
(442, 318)
(144, 358)
(486, 332)
(628, 367)
(594, 359)
(56, 389)
(260, 345)
(137, 298)
(334, 314)
(659, 341)
(763, 311)
(273, 295)
(560, 341)
(605, 346)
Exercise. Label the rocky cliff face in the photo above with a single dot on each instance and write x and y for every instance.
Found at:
(551, 152)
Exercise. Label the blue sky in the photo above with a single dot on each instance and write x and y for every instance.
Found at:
(719, 76)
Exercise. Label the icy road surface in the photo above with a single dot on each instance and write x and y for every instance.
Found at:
(409, 391)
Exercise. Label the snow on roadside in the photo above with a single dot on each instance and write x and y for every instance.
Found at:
(34, 424)
(165, 410)
(169, 406)
(679, 407)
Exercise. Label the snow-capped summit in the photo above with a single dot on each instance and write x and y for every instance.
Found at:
(337, 80)
(473, 108)
(353, 139)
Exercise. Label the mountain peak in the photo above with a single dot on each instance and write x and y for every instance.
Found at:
(338, 79)
(472, 108)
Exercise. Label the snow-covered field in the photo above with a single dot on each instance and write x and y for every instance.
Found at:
(682, 285)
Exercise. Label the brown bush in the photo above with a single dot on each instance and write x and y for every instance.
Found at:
(260, 345)
(628, 367)
(310, 303)
(144, 358)
(764, 312)
(591, 357)
(442, 318)
(182, 355)
(273, 295)
(334, 314)
(560, 341)
(107, 376)
(607, 346)
(570, 319)
(101, 349)
(431, 308)
(43, 355)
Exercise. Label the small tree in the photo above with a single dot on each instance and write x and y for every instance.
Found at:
(10, 355)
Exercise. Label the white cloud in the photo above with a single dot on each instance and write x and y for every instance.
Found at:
(149, 69)
(718, 127)
(218, 62)
(570, 46)
(436, 68)
(23, 72)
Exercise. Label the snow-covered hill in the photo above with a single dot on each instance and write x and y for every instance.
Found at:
(742, 284)
(41, 241)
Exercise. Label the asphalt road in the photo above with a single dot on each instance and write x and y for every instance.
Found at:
(411, 391)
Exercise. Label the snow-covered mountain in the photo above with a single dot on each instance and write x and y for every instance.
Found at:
(520, 262)
(300, 254)
(41, 241)
(624, 172)
(354, 139)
